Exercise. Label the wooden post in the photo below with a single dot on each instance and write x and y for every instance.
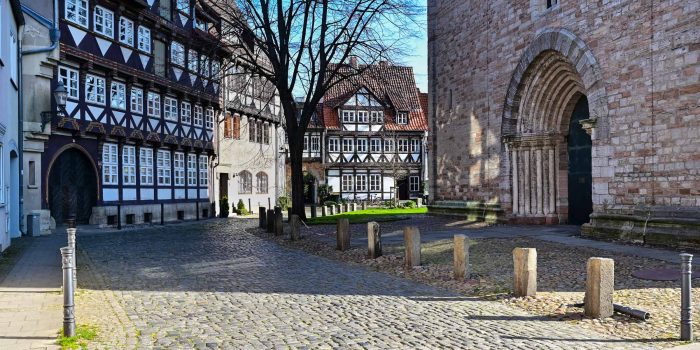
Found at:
(270, 220)
(261, 217)
(600, 284)
(525, 272)
(411, 237)
(313, 211)
(461, 257)
(279, 229)
(295, 224)
(374, 240)
(343, 234)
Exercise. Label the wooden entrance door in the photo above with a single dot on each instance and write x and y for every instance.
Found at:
(580, 180)
(72, 187)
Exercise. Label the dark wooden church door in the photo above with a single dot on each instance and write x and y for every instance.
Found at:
(72, 187)
(580, 182)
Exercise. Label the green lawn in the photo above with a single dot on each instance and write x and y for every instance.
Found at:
(364, 216)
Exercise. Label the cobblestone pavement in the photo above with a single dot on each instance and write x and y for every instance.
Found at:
(216, 285)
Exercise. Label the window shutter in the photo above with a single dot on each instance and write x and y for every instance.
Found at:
(236, 127)
(227, 126)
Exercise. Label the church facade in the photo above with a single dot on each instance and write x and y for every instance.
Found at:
(562, 112)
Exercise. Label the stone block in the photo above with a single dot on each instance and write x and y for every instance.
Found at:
(295, 224)
(524, 272)
(353, 206)
(411, 237)
(343, 235)
(331, 209)
(338, 209)
(374, 240)
(600, 284)
(419, 202)
(461, 257)
(346, 207)
(270, 220)
(364, 205)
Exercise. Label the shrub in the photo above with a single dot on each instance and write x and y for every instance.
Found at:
(240, 208)
(389, 204)
(223, 207)
(409, 204)
(284, 202)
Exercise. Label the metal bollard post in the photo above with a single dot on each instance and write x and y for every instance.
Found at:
(68, 304)
(686, 294)
(71, 245)
(162, 220)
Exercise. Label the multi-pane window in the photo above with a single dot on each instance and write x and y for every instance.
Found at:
(215, 67)
(144, 39)
(94, 89)
(389, 145)
(348, 116)
(266, 134)
(204, 66)
(183, 6)
(362, 116)
(198, 115)
(415, 145)
(333, 144)
(117, 95)
(361, 183)
(136, 100)
(163, 165)
(260, 132)
(126, 31)
(110, 164)
(192, 61)
(69, 77)
(186, 112)
(146, 166)
(77, 12)
(403, 145)
(348, 145)
(414, 183)
(191, 170)
(377, 117)
(129, 165)
(261, 178)
(177, 53)
(245, 182)
(361, 145)
(315, 143)
(402, 118)
(375, 182)
(104, 21)
(170, 108)
(306, 143)
(346, 183)
(209, 118)
(153, 104)
(179, 167)
(203, 171)
(252, 130)
(375, 145)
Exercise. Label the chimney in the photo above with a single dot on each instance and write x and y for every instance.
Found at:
(353, 61)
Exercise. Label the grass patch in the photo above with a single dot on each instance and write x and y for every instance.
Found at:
(364, 216)
(83, 334)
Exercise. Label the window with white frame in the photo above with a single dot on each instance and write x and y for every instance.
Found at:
(333, 144)
(70, 79)
(153, 104)
(377, 117)
(361, 145)
(179, 167)
(375, 145)
(163, 167)
(375, 182)
(362, 116)
(348, 116)
(209, 118)
(144, 39)
(346, 184)
(389, 146)
(245, 182)
(129, 165)
(117, 95)
(191, 170)
(170, 108)
(415, 145)
(348, 145)
(403, 146)
(192, 60)
(414, 183)
(183, 6)
(306, 144)
(361, 183)
(315, 143)
(402, 118)
(126, 31)
(185, 112)
(77, 12)
(104, 21)
(261, 178)
(136, 100)
(203, 170)
(198, 115)
(177, 53)
(146, 166)
(110, 164)
(95, 89)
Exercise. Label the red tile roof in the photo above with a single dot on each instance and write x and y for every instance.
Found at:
(394, 86)
(423, 102)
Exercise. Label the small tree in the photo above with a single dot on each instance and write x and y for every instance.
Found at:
(223, 207)
(240, 208)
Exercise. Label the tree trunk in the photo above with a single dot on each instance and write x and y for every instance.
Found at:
(295, 157)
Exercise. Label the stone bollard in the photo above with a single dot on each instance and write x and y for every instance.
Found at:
(270, 220)
(411, 238)
(686, 297)
(289, 214)
(364, 206)
(71, 243)
(419, 202)
(295, 224)
(324, 211)
(68, 292)
(338, 209)
(331, 209)
(279, 229)
(261, 217)
(354, 207)
(343, 234)
(374, 240)
(461, 257)
(313, 211)
(600, 284)
(525, 272)
(346, 207)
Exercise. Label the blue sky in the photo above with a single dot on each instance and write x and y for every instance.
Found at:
(419, 59)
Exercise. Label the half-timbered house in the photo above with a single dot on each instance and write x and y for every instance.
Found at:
(135, 136)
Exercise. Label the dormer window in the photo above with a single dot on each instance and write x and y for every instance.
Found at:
(362, 116)
(402, 118)
(377, 117)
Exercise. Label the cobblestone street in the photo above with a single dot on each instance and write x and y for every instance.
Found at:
(215, 285)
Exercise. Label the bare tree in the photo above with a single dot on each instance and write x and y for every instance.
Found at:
(301, 47)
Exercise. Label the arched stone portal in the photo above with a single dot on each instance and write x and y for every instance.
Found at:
(554, 75)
